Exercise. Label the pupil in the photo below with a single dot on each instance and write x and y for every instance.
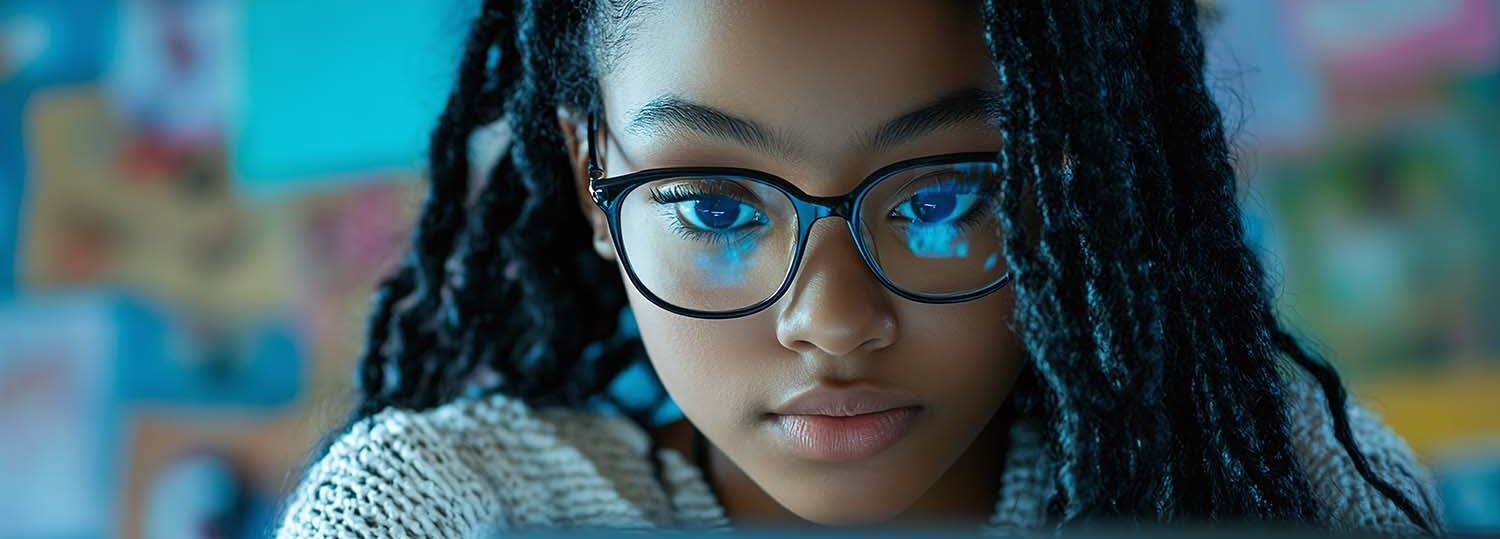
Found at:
(933, 207)
(717, 212)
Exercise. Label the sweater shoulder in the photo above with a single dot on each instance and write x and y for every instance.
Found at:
(1349, 502)
(473, 466)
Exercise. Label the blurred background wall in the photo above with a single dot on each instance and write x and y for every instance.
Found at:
(196, 197)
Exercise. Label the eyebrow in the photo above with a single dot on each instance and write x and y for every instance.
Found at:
(667, 114)
(955, 108)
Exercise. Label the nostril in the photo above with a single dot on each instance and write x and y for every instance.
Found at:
(835, 303)
(837, 330)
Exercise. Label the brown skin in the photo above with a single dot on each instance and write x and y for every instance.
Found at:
(822, 74)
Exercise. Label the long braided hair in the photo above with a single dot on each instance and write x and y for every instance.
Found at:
(1155, 353)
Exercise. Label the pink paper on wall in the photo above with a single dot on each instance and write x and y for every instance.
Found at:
(1390, 41)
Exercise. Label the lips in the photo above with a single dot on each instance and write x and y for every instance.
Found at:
(831, 424)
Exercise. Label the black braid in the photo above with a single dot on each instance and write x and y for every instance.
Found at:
(1147, 317)
(1154, 349)
(1333, 390)
(491, 282)
(409, 299)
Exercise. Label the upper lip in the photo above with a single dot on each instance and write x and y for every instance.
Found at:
(829, 401)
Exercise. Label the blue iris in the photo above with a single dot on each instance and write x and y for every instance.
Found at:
(934, 206)
(718, 213)
(938, 205)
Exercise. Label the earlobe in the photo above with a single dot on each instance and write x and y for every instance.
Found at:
(569, 126)
(603, 246)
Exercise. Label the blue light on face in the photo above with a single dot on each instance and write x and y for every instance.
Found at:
(936, 241)
(989, 263)
(934, 219)
(728, 265)
(721, 231)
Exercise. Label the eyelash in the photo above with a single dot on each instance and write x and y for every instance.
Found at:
(985, 190)
(673, 194)
(680, 193)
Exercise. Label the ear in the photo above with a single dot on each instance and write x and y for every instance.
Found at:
(575, 135)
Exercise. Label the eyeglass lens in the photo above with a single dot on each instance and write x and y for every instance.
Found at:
(719, 244)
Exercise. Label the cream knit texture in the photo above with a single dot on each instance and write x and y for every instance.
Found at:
(482, 465)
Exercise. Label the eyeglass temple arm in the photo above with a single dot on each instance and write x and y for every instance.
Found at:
(596, 172)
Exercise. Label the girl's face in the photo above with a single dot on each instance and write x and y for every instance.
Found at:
(817, 77)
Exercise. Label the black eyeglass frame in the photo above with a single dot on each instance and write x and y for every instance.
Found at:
(607, 193)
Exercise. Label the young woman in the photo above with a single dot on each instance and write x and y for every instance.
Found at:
(956, 263)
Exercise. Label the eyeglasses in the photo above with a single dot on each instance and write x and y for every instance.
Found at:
(724, 242)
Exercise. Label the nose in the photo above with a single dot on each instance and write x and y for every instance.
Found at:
(835, 305)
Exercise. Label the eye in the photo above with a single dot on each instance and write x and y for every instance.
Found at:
(716, 213)
(935, 205)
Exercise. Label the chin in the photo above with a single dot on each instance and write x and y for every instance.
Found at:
(850, 520)
(851, 506)
(847, 516)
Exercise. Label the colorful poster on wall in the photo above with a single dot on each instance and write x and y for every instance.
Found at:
(56, 365)
(42, 42)
(1395, 43)
(174, 76)
(1269, 93)
(174, 228)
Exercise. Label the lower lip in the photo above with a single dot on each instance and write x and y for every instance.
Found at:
(834, 438)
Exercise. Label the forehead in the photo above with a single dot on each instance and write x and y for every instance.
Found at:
(816, 71)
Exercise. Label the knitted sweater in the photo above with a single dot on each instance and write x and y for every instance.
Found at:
(481, 465)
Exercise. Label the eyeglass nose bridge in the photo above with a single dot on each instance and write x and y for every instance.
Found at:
(811, 209)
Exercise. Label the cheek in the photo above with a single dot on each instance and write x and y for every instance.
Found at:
(964, 353)
(715, 370)
(964, 360)
(961, 358)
